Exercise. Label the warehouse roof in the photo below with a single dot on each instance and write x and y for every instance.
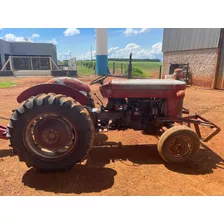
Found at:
(179, 39)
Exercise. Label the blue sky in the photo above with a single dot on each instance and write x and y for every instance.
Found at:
(75, 42)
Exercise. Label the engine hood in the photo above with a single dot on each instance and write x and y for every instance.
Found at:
(141, 88)
(71, 82)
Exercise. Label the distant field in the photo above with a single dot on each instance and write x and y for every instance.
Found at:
(149, 69)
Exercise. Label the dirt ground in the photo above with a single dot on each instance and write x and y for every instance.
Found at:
(122, 163)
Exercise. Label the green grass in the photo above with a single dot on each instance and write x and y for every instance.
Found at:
(82, 70)
(148, 69)
(6, 84)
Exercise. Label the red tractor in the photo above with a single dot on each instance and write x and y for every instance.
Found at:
(54, 126)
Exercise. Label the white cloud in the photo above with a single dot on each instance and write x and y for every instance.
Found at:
(132, 46)
(53, 41)
(157, 48)
(35, 35)
(132, 31)
(137, 51)
(65, 56)
(71, 32)
(112, 50)
(13, 38)
(145, 30)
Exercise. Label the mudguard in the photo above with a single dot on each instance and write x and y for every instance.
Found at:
(53, 88)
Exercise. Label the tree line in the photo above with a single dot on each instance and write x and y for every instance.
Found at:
(117, 59)
(134, 59)
(126, 59)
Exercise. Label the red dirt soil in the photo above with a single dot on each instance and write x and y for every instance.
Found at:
(121, 163)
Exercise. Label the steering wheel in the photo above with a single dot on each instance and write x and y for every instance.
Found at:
(99, 80)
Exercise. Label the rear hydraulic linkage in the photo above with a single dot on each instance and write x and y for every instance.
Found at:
(196, 120)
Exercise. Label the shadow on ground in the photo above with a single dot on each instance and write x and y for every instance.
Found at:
(105, 152)
(94, 177)
(80, 179)
(5, 153)
(203, 163)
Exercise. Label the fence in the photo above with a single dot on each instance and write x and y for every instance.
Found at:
(118, 68)
(15, 63)
(121, 68)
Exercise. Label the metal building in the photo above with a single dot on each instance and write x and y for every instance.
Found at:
(27, 54)
(201, 48)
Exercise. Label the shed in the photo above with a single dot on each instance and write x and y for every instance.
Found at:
(201, 48)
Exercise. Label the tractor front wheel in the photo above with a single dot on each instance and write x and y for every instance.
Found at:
(178, 145)
(51, 132)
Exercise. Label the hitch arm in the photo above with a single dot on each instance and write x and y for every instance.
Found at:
(197, 121)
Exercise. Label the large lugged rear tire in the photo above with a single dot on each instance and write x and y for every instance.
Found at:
(51, 132)
(178, 145)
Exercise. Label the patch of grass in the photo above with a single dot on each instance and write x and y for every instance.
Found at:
(83, 70)
(138, 72)
(6, 84)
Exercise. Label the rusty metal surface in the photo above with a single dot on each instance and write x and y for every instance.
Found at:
(53, 88)
(71, 82)
(116, 89)
(196, 120)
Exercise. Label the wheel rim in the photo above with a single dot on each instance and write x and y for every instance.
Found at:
(180, 146)
(50, 136)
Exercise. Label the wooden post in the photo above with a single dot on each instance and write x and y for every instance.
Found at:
(121, 68)
(10, 63)
(54, 64)
(160, 72)
(113, 67)
(39, 63)
(31, 63)
(50, 61)
(130, 67)
(3, 68)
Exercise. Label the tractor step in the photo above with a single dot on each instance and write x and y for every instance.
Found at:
(3, 131)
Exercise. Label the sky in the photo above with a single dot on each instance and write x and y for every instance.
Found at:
(77, 42)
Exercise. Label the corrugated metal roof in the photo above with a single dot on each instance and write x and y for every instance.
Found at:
(179, 39)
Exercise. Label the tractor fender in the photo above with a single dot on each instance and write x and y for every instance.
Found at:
(53, 88)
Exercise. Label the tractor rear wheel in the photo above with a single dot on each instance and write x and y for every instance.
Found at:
(51, 132)
(178, 145)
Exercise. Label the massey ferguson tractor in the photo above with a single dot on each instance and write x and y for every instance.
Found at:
(55, 124)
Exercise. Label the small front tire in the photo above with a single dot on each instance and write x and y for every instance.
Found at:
(178, 145)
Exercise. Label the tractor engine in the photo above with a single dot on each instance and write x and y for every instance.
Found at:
(144, 111)
(137, 114)
(137, 104)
